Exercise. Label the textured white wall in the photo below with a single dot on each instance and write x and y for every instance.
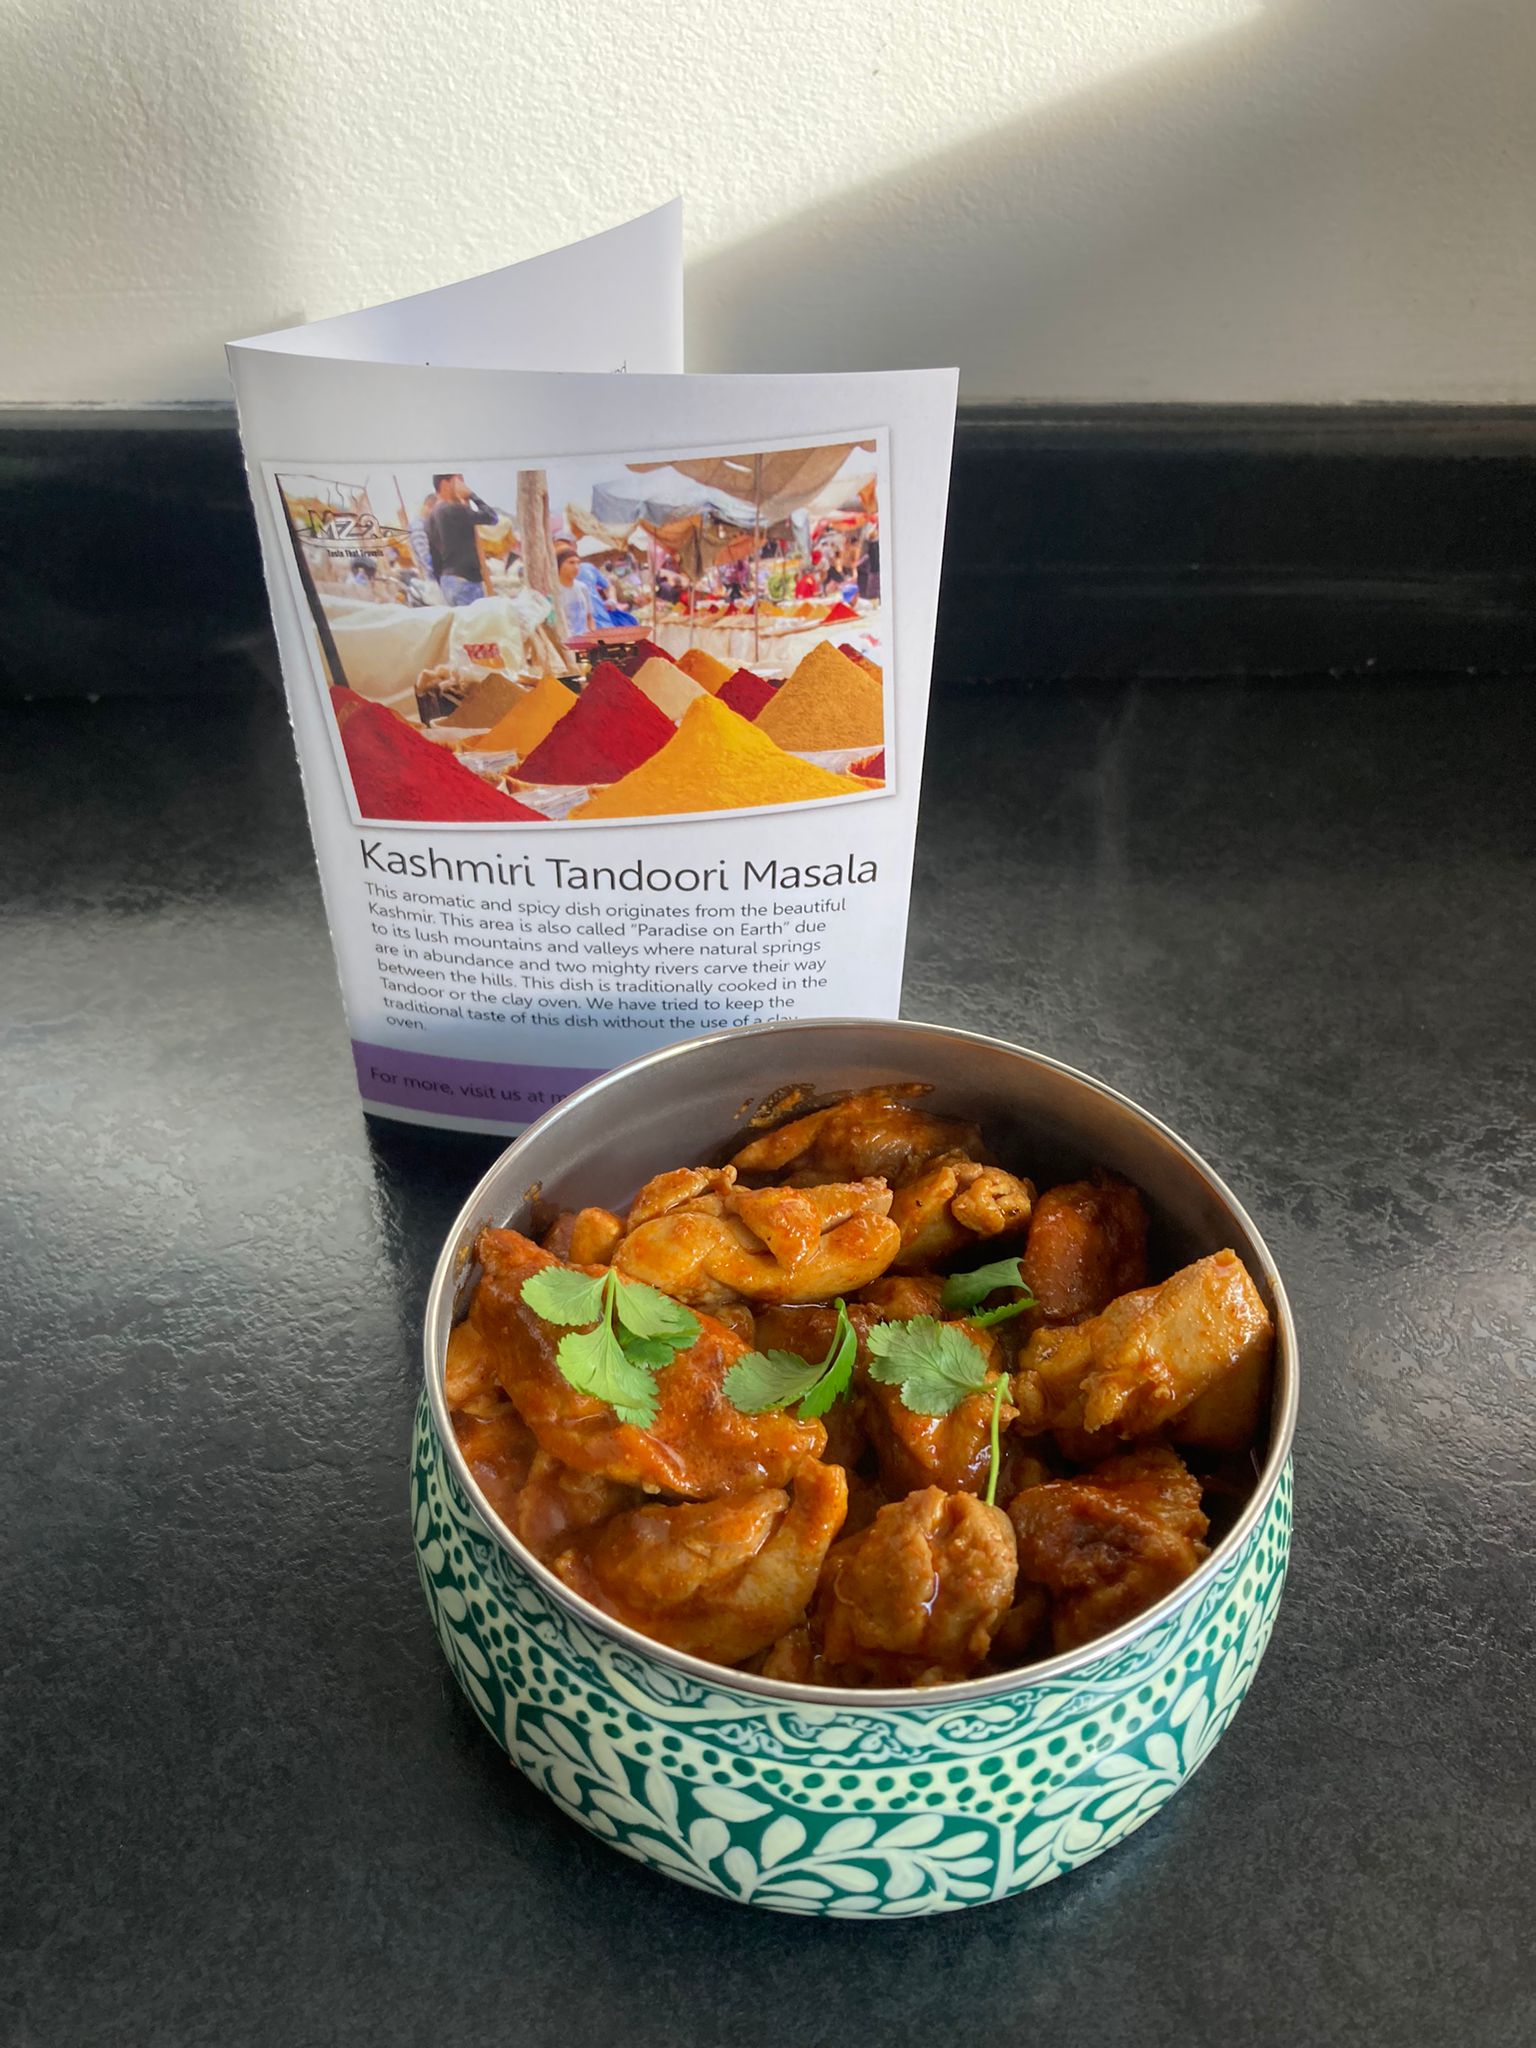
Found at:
(1075, 199)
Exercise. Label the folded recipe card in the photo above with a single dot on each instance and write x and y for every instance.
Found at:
(609, 683)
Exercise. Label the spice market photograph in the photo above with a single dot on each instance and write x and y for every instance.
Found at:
(598, 638)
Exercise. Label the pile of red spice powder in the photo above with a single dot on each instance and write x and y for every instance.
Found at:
(613, 728)
(745, 693)
(398, 774)
(838, 614)
(872, 765)
(634, 654)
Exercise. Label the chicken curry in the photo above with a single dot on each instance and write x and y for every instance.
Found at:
(861, 1407)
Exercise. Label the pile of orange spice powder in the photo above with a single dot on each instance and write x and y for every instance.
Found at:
(533, 719)
(828, 702)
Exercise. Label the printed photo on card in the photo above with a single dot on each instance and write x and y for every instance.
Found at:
(582, 640)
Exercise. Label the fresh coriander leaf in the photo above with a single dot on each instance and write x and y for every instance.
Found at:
(984, 1318)
(649, 1313)
(964, 1291)
(561, 1296)
(934, 1364)
(769, 1379)
(780, 1379)
(615, 1361)
(996, 1458)
(651, 1352)
(836, 1372)
(595, 1363)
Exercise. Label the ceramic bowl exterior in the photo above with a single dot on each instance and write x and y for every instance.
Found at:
(798, 1798)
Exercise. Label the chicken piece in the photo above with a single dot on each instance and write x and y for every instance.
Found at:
(1079, 1446)
(900, 1296)
(807, 1330)
(877, 1132)
(698, 1445)
(1087, 1244)
(1111, 1543)
(1022, 1467)
(1048, 1382)
(787, 1220)
(723, 1579)
(917, 1598)
(499, 1451)
(695, 1187)
(1206, 1322)
(737, 1317)
(1156, 1481)
(584, 1237)
(953, 1451)
(839, 1238)
(847, 1437)
(556, 1503)
(950, 1207)
(866, 1497)
(469, 1374)
(829, 1203)
(793, 1657)
(1139, 1364)
(1229, 1415)
(1023, 1633)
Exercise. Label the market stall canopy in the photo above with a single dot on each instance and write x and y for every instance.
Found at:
(586, 526)
(665, 497)
(852, 492)
(700, 541)
(772, 485)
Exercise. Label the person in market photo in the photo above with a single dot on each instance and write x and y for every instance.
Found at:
(577, 600)
(869, 570)
(608, 610)
(451, 523)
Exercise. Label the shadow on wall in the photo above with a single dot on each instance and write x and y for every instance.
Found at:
(1320, 204)
(1329, 199)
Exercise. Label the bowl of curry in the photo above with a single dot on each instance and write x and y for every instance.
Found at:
(853, 1475)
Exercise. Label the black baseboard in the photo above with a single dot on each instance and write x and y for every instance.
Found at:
(1235, 540)
(1114, 541)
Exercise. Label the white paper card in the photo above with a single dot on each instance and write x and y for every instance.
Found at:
(609, 689)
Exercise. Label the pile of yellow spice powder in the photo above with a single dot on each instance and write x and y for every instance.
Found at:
(716, 761)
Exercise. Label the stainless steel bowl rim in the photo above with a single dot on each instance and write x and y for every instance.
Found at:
(1048, 1669)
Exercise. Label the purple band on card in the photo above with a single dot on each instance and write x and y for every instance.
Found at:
(492, 1090)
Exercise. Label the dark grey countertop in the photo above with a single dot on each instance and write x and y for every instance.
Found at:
(242, 1801)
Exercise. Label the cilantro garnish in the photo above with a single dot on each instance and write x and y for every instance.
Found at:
(780, 1379)
(636, 1332)
(934, 1366)
(964, 1292)
(995, 1458)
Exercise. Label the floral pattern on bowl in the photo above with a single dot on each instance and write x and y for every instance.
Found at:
(884, 1813)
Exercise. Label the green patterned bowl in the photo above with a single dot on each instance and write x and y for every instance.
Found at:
(851, 1805)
